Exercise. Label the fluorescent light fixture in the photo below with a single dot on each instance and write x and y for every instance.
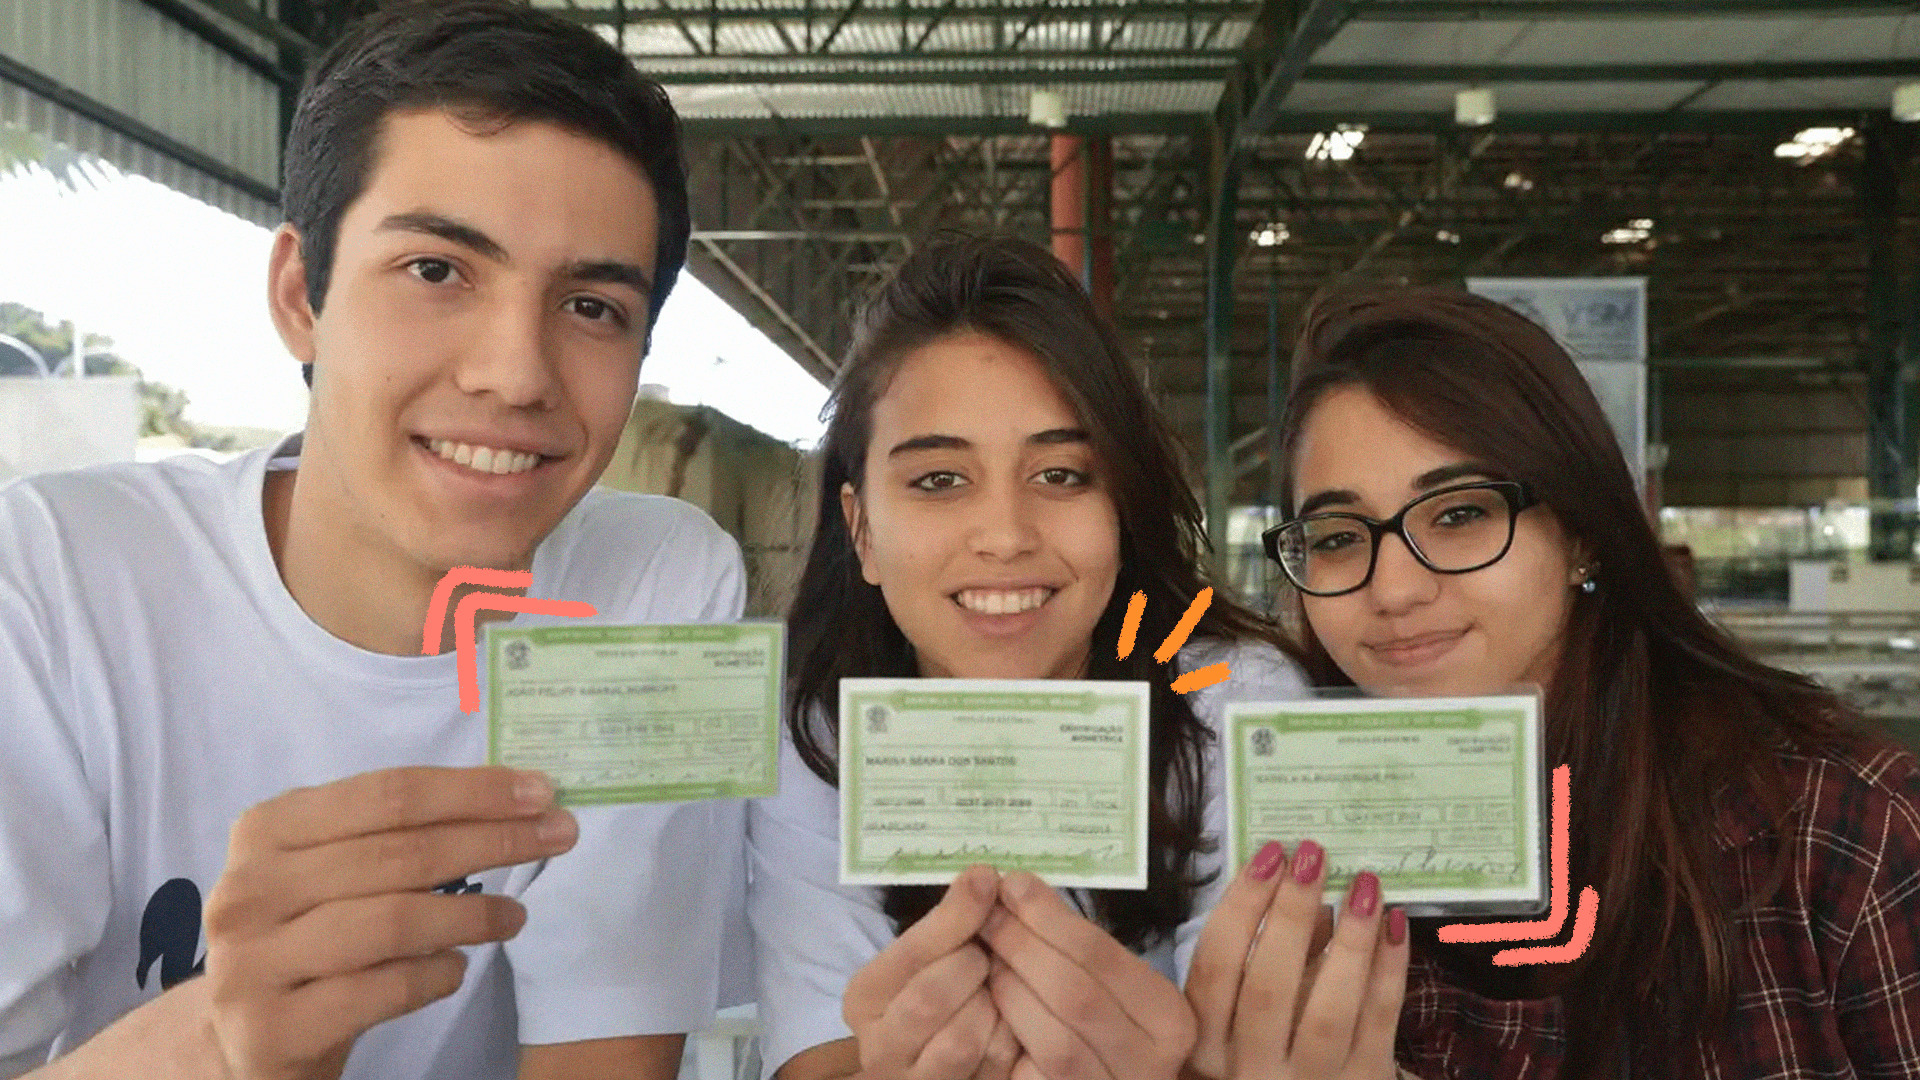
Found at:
(1272, 234)
(1474, 108)
(1906, 102)
(1047, 108)
(1636, 231)
(1814, 143)
(1338, 144)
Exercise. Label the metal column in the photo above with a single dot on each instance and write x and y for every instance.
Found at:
(1888, 355)
(1081, 204)
(1223, 250)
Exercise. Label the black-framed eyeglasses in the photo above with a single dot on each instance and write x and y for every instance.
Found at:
(1454, 530)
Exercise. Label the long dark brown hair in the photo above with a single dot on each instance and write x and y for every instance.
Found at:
(1019, 293)
(1661, 716)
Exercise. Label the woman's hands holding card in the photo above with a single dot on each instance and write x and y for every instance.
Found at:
(921, 1010)
(1271, 1004)
(1081, 1005)
(1003, 980)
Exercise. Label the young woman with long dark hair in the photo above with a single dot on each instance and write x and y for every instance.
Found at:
(1461, 519)
(996, 484)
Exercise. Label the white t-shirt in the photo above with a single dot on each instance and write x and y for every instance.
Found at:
(811, 934)
(157, 680)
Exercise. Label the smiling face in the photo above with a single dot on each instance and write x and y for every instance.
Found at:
(480, 343)
(1412, 631)
(983, 518)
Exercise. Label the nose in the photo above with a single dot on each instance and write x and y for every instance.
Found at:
(1400, 582)
(1002, 526)
(512, 356)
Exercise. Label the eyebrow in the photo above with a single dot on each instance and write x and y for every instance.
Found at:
(446, 229)
(1426, 481)
(1050, 437)
(605, 271)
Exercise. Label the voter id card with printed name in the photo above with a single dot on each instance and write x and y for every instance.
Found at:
(1044, 775)
(623, 714)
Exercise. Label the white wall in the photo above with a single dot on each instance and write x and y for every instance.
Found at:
(1824, 585)
(48, 424)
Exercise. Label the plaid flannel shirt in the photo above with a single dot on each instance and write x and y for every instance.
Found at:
(1827, 978)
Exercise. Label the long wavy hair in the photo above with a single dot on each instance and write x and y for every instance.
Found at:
(1661, 715)
(1019, 293)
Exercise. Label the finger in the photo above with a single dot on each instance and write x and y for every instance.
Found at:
(1054, 1048)
(285, 885)
(928, 1002)
(353, 935)
(955, 1051)
(1316, 952)
(325, 1012)
(1323, 1041)
(1002, 1051)
(1220, 956)
(951, 924)
(1386, 992)
(1263, 1013)
(1089, 1005)
(1101, 981)
(387, 800)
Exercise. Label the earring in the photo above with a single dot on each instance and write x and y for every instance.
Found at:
(1589, 585)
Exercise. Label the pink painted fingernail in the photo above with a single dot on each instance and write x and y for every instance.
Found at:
(1267, 860)
(1306, 862)
(1396, 927)
(1364, 897)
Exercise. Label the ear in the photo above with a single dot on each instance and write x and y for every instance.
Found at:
(857, 528)
(1581, 564)
(287, 294)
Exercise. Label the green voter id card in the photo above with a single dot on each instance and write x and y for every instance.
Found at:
(622, 714)
(1046, 775)
(1441, 797)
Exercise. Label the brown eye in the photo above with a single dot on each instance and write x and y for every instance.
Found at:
(431, 271)
(597, 310)
(938, 481)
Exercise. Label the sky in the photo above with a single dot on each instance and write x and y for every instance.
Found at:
(180, 287)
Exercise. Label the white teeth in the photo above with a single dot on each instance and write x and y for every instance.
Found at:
(484, 459)
(1002, 601)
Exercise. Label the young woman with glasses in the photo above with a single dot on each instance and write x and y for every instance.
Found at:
(996, 485)
(1461, 520)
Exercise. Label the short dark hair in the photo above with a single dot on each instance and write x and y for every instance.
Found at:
(489, 61)
(841, 626)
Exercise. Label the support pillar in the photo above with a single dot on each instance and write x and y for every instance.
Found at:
(1223, 250)
(1099, 273)
(1891, 437)
(1082, 210)
(1068, 202)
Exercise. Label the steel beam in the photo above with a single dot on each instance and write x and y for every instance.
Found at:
(933, 69)
(857, 10)
(1764, 71)
(1513, 10)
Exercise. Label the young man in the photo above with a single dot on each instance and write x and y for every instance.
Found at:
(214, 719)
